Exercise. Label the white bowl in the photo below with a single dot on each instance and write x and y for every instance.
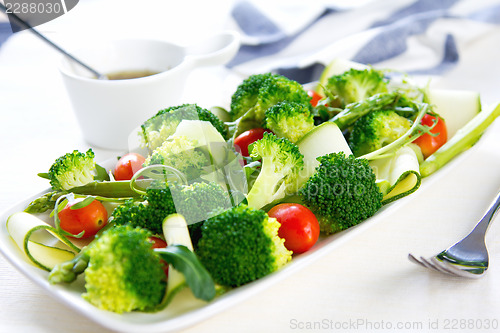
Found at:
(108, 110)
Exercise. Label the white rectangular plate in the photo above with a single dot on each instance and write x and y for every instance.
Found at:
(185, 311)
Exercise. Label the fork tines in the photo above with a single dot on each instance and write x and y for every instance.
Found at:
(441, 266)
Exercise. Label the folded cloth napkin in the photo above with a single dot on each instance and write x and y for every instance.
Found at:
(5, 32)
(298, 38)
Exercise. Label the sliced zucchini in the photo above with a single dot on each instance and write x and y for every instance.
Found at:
(41, 242)
(398, 175)
(321, 140)
(456, 107)
(47, 256)
(176, 232)
(463, 139)
(221, 113)
(188, 271)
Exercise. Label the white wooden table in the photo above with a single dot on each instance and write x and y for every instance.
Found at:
(367, 283)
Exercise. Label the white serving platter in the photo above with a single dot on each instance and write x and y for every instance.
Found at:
(186, 311)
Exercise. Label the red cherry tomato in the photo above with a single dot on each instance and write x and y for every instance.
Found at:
(89, 219)
(299, 226)
(243, 140)
(128, 165)
(428, 143)
(315, 97)
(158, 243)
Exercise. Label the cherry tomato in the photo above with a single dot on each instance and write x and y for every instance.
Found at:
(128, 165)
(428, 143)
(158, 243)
(315, 97)
(89, 219)
(299, 226)
(243, 140)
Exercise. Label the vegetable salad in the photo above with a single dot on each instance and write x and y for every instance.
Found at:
(213, 199)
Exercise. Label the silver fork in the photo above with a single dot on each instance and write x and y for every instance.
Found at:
(467, 258)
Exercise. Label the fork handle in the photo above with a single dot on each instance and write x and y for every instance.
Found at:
(488, 216)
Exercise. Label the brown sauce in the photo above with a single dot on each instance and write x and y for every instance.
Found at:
(131, 74)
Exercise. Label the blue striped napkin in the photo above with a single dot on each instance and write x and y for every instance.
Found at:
(5, 32)
(298, 38)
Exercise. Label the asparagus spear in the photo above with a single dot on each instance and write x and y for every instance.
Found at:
(465, 138)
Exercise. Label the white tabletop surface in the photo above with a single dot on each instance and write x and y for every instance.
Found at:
(366, 283)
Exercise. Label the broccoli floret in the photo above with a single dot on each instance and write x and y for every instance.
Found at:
(342, 192)
(261, 91)
(198, 202)
(356, 85)
(122, 271)
(72, 170)
(247, 94)
(181, 153)
(375, 130)
(195, 202)
(281, 164)
(148, 214)
(158, 128)
(241, 245)
(289, 120)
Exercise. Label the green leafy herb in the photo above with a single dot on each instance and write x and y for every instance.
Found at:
(185, 261)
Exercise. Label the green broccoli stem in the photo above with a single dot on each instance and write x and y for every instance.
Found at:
(264, 189)
(354, 111)
(68, 271)
(465, 138)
